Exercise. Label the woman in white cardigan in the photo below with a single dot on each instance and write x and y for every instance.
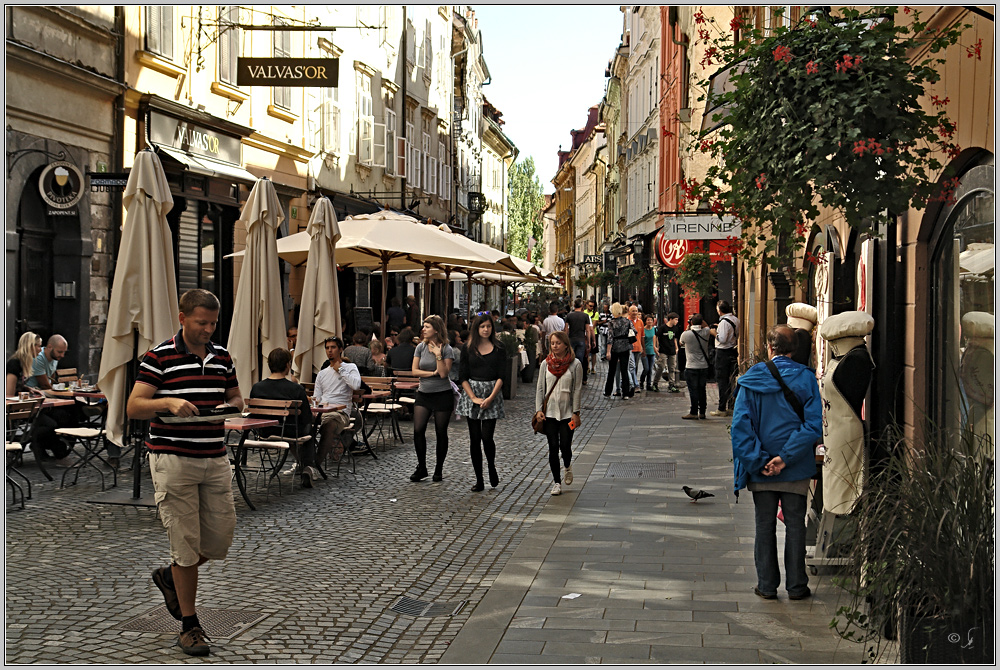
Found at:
(560, 379)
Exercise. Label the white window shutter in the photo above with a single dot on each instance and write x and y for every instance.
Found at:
(432, 182)
(378, 155)
(366, 137)
(446, 188)
(402, 157)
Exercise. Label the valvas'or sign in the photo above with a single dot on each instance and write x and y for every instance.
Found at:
(195, 139)
(321, 72)
(703, 227)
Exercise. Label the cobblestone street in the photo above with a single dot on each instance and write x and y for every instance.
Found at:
(319, 570)
(323, 565)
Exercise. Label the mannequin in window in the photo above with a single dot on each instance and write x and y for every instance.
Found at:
(843, 387)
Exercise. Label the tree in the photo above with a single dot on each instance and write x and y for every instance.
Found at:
(828, 112)
(525, 209)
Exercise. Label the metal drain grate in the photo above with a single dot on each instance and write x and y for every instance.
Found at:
(641, 470)
(222, 624)
(422, 608)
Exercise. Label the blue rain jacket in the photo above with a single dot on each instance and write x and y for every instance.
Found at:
(765, 425)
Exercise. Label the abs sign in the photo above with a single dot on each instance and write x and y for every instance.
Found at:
(303, 72)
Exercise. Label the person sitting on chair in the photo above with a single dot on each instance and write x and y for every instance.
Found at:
(279, 387)
(335, 386)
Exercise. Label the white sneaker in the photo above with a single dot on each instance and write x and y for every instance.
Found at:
(556, 490)
(568, 477)
(291, 469)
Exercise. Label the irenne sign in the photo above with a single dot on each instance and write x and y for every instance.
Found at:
(321, 72)
(701, 227)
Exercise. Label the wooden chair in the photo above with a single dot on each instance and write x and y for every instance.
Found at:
(273, 448)
(14, 450)
(346, 451)
(21, 417)
(67, 376)
(310, 387)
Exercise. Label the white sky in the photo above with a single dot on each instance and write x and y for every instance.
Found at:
(547, 64)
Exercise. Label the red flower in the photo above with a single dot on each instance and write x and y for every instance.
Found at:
(938, 102)
(975, 50)
(699, 17)
(859, 148)
(761, 180)
(703, 34)
(706, 145)
(953, 150)
(946, 130)
(782, 53)
(906, 10)
(800, 229)
(812, 67)
(736, 24)
(667, 132)
(812, 24)
(718, 207)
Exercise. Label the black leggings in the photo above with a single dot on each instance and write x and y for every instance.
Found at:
(619, 362)
(560, 441)
(421, 415)
(482, 432)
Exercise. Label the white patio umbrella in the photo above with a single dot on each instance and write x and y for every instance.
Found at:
(319, 312)
(258, 324)
(143, 310)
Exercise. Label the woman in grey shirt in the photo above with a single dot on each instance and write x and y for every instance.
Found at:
(432, 361)
(696, 342)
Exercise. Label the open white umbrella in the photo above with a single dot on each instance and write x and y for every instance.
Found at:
(319, 312)
(143, 310)
(258, 324)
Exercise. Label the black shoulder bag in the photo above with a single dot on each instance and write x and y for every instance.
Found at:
(790, 396)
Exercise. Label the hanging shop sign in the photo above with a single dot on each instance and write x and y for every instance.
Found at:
(192, 138)
(305, 72)
(671, 252)
(701, 227)
(61, 186)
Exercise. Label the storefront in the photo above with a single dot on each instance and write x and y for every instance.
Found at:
(201, 156)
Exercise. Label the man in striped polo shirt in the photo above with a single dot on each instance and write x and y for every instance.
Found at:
(188, 462)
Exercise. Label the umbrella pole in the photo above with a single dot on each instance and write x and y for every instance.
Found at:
(428, 298)
(447, 297)
(468, 294)
(131, 425)
(385, 276)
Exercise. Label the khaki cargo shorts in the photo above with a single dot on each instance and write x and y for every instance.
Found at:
(195, 499)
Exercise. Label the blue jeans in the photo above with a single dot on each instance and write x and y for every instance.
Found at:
(580, 351)
(696, 379)
(765, 544)
(633, 367)
(647, 370)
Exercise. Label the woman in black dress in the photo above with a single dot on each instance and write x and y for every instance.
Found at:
(432, 362)
(481, 401)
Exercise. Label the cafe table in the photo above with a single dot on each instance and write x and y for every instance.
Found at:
(243, 426)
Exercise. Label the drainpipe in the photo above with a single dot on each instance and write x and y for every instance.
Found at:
(406, 76)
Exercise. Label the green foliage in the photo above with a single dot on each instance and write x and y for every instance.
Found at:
(633, 278)
(509, 342)
(525, 209)
(825, 113)
(924, 543)
(695, 273)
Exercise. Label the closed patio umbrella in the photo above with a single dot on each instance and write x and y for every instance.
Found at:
(143, 310)
(319, 312)
(258, 324)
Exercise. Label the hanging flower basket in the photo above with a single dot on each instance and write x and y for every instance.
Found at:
(696, 273)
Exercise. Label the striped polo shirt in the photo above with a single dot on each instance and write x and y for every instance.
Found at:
(174, 371)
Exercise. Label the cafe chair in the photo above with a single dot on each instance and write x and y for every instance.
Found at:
(91, 436)
(273, 444)
(378, 409)
(20, 428)
(14, 450)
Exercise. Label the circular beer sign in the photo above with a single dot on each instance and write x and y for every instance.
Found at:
(61, 185)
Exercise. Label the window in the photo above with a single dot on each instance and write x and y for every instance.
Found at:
(425, 157)
(160, 30)
(282, 48)
(331, 121)
(229, 43)
(366, 119)
(390, 142)
(428, 51)
(961, 366)
(444, 62)
(413, 162)
(445, 172)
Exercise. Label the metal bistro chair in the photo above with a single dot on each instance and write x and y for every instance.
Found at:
(379, 409)
(273, 448)
(91, 435)
(20, 428)
(346, 451)
(20, 418)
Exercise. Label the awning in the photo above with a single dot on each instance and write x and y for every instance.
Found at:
(207, 166)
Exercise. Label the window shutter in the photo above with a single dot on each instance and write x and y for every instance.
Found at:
(153, 29)
(432, 181)
(366, 139)
(402, 157)
(378, 157)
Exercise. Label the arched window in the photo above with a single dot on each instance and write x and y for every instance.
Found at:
(963, 260)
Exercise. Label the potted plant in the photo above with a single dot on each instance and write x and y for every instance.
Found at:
(922, 557)
(509, 342)
(531, 348)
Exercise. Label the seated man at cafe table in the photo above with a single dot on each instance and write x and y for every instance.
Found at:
(278, 387)
(334, 386)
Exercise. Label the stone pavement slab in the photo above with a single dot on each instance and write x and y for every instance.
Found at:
(661, 579)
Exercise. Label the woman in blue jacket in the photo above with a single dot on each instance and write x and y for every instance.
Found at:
(774, 457)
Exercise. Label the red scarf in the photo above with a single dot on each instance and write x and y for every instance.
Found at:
(559, 366)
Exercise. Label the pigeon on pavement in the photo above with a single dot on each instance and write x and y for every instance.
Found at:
(695, 496)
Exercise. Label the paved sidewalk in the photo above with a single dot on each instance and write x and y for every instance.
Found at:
(660, 579)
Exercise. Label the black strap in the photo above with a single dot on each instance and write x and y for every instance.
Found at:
(731, 324)
(790, 396)
(700, 345)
